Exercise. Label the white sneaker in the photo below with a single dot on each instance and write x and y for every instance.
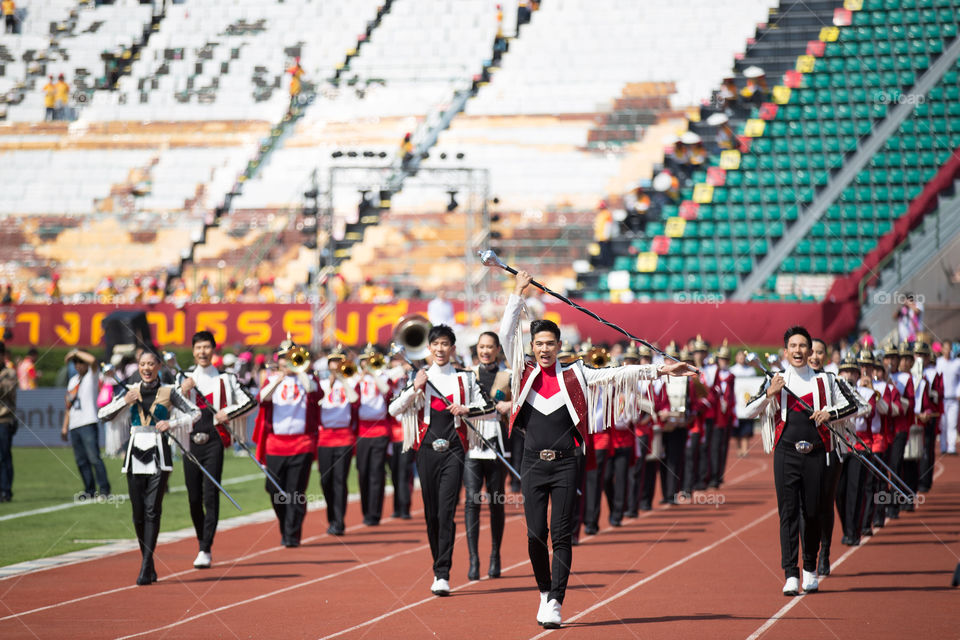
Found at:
(791, 587)
(552, 618)
(440, 587)
(810, 581)
(203, 560)
(542, 611)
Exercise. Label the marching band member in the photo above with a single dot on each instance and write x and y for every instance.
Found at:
(928, 410)
(435, 429)
(649, 436)
(850, 487)
(399, 461)
(799, 441)
(336, 438)
(724, 405)
(902, 381)
(698, 404)
(891, 399)
(551, 402)
(148, 406)
(373, 433)
(481, 465)
(910, 445)
(225, 402)
(702, 460)
(286, 437)
(675, 416)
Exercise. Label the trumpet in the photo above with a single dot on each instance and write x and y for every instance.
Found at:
(299, 358)
(376, 362)
(348, 368)
(597, 358)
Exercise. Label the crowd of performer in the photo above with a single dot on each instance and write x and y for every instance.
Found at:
(851, 435)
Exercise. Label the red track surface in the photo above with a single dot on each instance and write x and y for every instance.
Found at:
(691, 571)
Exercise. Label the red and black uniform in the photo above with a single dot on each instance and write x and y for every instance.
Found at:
(906, 469)
(878, 492)
(698, 408)
(724, 408)
(401, 472)
(375, 426)
(286, 439)
(851, 490)
(440, 440)
(335, 442)
(649, 443)
(930, 399)
(614, 452)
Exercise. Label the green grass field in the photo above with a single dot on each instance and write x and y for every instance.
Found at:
(49, 477)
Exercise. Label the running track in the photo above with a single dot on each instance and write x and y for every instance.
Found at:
(692, 571)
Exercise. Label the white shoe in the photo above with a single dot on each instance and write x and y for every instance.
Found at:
(552, 619)
(810, 581)
(791, 587)
(440, 587)
(544, 609)
(203, 560)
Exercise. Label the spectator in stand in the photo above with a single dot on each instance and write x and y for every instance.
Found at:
(49, 98)
(106, 291)
(696, 153)
(81, 425)
(756, 90)
(440, 311)
(53, 289)
(667, 188)
(234, 291)
(367, 292)
(62, 96)
(181, 295)
(267, 293)
(523, 14)
(27, 371)
(8, 295)
(9, 8)
(724, 138)
(134, 293)
(406, 149)
(206, 291)
(8, 423)
(637, 203)
(154, 292)
(909, 318)
(602, 233)
(296, 72)
(728, 96)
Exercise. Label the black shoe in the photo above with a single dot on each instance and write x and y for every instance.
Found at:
(866, 532)
(878, 524)
(645, 506)
(854, 542)
(147, 574)
(575, 541)
(699, 487)
(893, 515)
(473, 573)
(616, 523)
(630, 514)
(395, 514)
(823, 568)
(909, 507)
(5, 497)
(713, 485)
(494, 570)
(371, 522)
(590, 530)
(845, 540)
(335, 530)
(405, 516)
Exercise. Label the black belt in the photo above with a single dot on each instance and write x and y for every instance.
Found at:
(548, 455)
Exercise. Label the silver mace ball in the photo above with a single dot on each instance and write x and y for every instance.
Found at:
(489, 258)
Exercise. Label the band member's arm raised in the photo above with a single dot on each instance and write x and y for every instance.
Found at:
(266, 393)
(243, 402)
(405, 401)
(187, 413)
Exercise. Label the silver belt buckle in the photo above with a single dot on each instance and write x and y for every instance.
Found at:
(548, 455)
(440, 444)
(803, 446)
(200, 437)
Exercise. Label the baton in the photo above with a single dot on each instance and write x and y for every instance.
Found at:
(489, 259)
(398, 350)
(189, 456)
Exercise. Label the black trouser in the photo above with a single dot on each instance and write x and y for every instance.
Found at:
(476, 473)
(909, 469)
(876, 495)
(719, 447)
(441, 475)
(593, 493)
(334, 466)
(799, 481)
(707, 469)
(615, 483)
(543, 482)
(831, 478)
(928, 456)
(371, 475)
(643, 479)
(203, 495)
(671, 469)
(850, 498)
(146, 500)
(401, 475)
(895, 454)
(692, 462)
(516, 457)
(293, 474)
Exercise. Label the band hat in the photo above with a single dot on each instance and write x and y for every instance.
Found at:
(337, 354)
(865, 357)
(671, 350)
(368, 351)
(724, 350)
(849, 362)
(690, 138)
(717, 119)
(585, 347)
(566, 351)
(686, 356)
(699, 344)
(921, 348)
(285, 346)
(644, 351)
(905, 351)
(890, 349)
(753, 71)
(229, 359)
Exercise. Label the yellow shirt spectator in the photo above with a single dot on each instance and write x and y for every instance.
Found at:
(49, 90)
(62, 92)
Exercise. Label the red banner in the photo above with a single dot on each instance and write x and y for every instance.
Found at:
(265, 325)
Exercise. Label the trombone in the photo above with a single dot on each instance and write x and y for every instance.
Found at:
(298, 357)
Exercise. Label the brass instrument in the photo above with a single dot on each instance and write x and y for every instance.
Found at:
(376, 362)
(597, 357)
(412, 335)
(298, 357)
(348, 368)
